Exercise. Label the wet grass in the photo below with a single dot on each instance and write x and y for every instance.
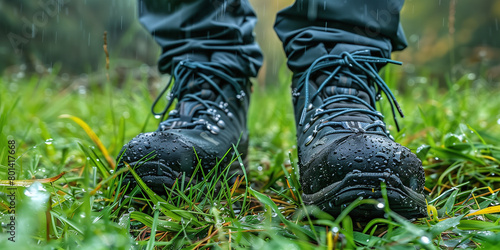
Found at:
(69, 195)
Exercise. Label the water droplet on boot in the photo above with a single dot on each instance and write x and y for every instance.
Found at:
(380, 205)
(358, 159)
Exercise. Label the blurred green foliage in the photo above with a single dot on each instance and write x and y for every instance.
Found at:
(40, 34)
(447, 38)
(452, 38)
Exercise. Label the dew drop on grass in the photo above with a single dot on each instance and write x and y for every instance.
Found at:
(425, 240)
(37, 195)
(49, 141)
(123, 222)
(157, 116)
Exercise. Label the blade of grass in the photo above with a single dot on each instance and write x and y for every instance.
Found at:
(167, 209)
(152, 237)
(27, 183)
(268, 202)
(92, 136)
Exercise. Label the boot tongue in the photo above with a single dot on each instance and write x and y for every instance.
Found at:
(202, 89)
(187, 109)
(345, 85)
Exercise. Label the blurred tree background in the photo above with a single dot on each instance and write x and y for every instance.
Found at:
(447, 38)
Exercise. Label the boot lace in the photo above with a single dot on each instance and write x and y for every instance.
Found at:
(203, 78)
(332, 66)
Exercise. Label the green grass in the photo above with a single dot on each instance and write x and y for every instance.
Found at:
(454, 130)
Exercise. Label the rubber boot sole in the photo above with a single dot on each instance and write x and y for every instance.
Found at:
(337, 196)
(159, 177)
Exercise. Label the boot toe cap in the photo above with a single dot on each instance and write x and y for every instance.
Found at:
(364, 153)
(163, 148)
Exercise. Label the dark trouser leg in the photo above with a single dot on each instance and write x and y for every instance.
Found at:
(215, 31)
(312, 28)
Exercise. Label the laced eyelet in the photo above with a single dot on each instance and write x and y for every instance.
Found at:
(200, 121)
(318, 111)
(314, 118)
(306, 127)
(310, 107)
(173, 112)
(213, 129)
(221, 124)
(211, 111)
(215, 117)
(309, 139)
(315, 131)
(223, 105)
(241, 95)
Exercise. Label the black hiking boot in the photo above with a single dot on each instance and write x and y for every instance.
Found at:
(345, 150)
(209, 117)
